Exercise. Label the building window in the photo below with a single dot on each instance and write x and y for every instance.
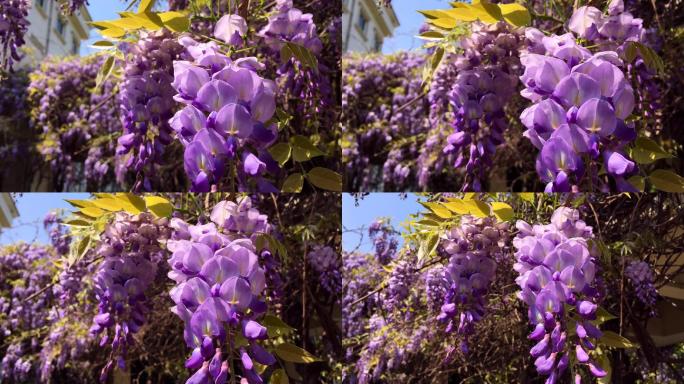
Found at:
(363, 21)
(60, 25)
(41, 3)
(76, 44)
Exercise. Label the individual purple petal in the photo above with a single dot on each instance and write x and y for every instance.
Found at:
(231, 29)
(550, 74)
(214, 95)
(576, 89)
(581, 354)
(617, 164)
(263, 105)
(585, 21)
(596, 370)
(253, 330)
(573, 278)
(573, 135)
(217, 269)
(597, 116)
(236, 291)
(234, 119)
(623, 101)
(252, 165)
(195, 360)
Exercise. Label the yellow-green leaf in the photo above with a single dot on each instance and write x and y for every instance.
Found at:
(113, 33)
(292, 353)
(457, 206)
(434, 13)
(303, 149)
(131, 203)
(279, 377)
(275, 326)
(431, 35)
(478, 208)
(527, 196)
(515, 14)
(281, 153)
(145, 6)
(325, 179)
(445, 23)
(175, 21)
(438, 209)
(93, 212)
(502, 211)
(103, 44)
(668, 181)
(646, 151)
(637, 182)
(612, 339)
(301, 53)
(77, 223)
(293, 183)
(159, 206)
(108, 204)
(80, 203)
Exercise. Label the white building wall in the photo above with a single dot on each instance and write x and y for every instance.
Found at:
(365, 25)
(45, 37)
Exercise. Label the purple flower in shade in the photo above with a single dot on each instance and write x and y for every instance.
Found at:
(225, 122)
(219, 287)
(581, 101)
(642, 279)
(475, 247)
(558, 277)
(131, 248)
(292, 25)
(328, 264)
(13, 25)
(231, 29)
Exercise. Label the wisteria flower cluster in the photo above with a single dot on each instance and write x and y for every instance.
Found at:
(132, 250)
(385, 240)
(225, 124)
(327, 264)
(24, 271)
(218, 295)
(581, 103)
(641, 276)
(486, 79)
(77, 123)
(146, 99)
(558, 280)
(474, 248)
(58, 232)
(13, 26)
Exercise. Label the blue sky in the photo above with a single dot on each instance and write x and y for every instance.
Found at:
(371, 207)
(32, 209)
(410, 21)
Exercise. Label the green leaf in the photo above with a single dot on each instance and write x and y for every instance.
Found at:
(108, 204)
(113, 33)
(175, 21)
(301, 53)
(293, 183)
(527, 196)
(438, 209)
(646, 151)
(637, 182)
(457, 206)
(80, 203)
(666, 180)
(604, 362)
(145, 6)
(427, 246)
(516, 14)
(279, 377)
(502, 211)
(602, 315)
(325, 179)
(93, 212)
(303, 149)
(292, 353)
(159, 206)
(634, 49)
(275, 326)
(149, 20)
(431, 35)
(131, 203)
(77, 223)
(478, 208)
(281, 153)
(103, 44)
(104, 72)
(434, 14)
(83, 247)
(612, 339)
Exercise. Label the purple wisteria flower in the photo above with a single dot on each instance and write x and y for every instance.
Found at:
(292, 25)
(13, 25)
(474, 247)
(219, 291)
(578, 120)
(225, 125)
(146, 104)
(558, 278)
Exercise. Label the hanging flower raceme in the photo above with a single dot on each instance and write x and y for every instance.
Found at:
(474, 247)
(146, 103)
(558, 278)
(384, 240)
(641, 277)
(130, 246)
(219, 292)
(225, 125)
(485, 82)
(581, 104)
(58, 232)
(13, 25)
(327, 264)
